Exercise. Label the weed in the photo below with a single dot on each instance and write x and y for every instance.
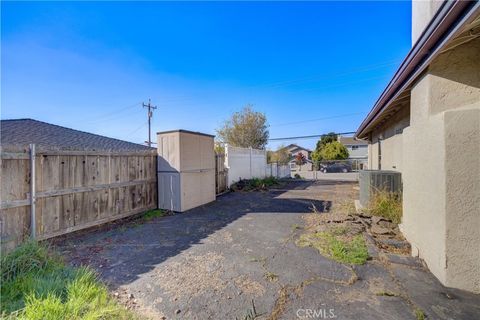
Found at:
(419, 314)
(261, 260)
(336, 246)
(270, 276)
(296, 227)
(339, 230)
(387, 205)
(149, 215)
(37, 285)
(345, 206)
(251, 313)
(254, 184)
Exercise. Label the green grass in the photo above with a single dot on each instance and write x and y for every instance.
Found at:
(36, 284)
(336, 246)
(152, 214)
(419, 314)
(387, 205)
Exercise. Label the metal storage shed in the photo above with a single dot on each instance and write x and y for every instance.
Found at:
(186, 169)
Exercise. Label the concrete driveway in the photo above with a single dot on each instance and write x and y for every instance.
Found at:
(237, 258)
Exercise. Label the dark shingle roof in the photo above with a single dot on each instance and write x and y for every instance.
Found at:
(21, 132)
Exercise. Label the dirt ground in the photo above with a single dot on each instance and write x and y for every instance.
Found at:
(237, 258)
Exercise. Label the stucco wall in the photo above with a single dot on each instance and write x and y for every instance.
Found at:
(441, 174)
(422, 12)
(423, 177)
(391, 143)
(462, 128)
(438, 153)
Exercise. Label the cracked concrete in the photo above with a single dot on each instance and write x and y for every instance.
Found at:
(211, 263)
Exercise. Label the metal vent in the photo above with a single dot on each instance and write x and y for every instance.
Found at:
(374, 180)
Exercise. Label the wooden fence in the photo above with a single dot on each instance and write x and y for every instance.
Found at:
(220, 173)
(71, 190)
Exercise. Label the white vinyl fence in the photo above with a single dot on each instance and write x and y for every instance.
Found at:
(247, 163)
(276, 170)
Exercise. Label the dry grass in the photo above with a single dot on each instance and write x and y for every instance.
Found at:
(387, 205)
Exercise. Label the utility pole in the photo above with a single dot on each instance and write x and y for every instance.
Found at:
(149, 114)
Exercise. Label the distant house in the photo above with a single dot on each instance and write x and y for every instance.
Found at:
(293, 151)
(22, 132)
(357, 149)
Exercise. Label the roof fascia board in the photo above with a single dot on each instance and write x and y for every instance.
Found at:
(419, 57)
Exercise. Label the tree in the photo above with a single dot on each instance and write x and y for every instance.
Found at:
(246, 128)
(219, 148)
(334, 151)
(300, 159)
(281, 156)
(324, 140)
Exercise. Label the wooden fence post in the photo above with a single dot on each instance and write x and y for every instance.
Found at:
(33, 199)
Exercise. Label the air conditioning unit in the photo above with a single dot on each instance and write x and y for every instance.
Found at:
(374, 180)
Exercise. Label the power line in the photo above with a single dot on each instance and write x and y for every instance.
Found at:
(149, 115)
(136, 129)
(327, 77)
(317, 119)
(309, 137)
(108, 115)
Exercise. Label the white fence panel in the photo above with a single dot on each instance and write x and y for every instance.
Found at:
(283, 171)
(244, 163)
(278, 171)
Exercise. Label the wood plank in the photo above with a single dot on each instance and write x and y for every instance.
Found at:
(41, 151)
(94, 223)
(75, 190)
(67, 212)
(14, 203)
(91, 178)
(61, 192)
(15, 156)
(50, 217)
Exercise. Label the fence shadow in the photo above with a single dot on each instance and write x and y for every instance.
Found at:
(123, 252)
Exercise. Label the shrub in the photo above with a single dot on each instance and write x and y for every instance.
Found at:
(387, 205)
(254, 184)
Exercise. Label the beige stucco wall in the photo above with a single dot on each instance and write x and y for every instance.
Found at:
(422, 13)
(391, 142)
(462, 129)
(441, 168)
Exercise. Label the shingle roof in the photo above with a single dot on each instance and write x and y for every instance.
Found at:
(350, 141)
(21, 132)
(292, 147)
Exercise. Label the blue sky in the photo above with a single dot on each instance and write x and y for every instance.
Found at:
(89, 65)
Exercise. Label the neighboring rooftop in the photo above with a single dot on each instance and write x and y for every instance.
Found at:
(292, 147)
(350, 141)
(22, 132)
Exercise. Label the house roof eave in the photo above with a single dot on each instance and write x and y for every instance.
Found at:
(446, 23)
